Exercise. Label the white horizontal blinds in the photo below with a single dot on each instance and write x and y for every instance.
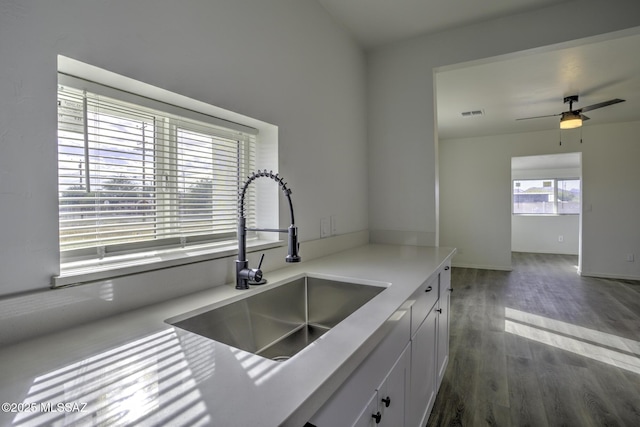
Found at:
(207, 169)
(106, 172)
(133, 175)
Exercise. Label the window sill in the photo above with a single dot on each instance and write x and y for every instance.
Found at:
(78, 272)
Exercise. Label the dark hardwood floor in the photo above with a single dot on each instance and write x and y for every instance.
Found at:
(541, 346)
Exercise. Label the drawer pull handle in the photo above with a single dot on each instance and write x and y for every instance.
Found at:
(377, 416)
(446, 268)
(429, 289)
(439, 310)
(386, 401)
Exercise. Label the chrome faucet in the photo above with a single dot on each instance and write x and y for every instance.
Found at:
(244, 274)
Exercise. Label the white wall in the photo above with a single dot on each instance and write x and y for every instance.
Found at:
(475, 195)
(284, 62)
(611, 202)
(403, 191)
(541, 234)
(475, 201)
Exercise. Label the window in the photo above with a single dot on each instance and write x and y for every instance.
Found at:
(131, 176)
(568, 196)
(546, 196)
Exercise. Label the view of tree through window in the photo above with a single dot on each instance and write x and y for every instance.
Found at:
(130, 174)
(568, 201)
(546, 196)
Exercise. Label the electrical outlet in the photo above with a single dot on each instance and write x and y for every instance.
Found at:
(325, 227)
(561, 238)
(631, 257)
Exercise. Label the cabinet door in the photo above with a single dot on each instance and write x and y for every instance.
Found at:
(423, 371)
(444, 305)
(370, 416)
(347, 403)
(443, 335)
(393, 392)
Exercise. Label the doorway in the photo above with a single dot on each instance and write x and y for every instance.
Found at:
(546, 204)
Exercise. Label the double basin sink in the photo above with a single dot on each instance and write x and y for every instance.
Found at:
(279, 322)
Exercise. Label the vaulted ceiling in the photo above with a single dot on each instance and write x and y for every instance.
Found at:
(378, 22)
(507, 88)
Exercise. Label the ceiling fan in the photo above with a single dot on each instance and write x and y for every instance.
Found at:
(574, 118)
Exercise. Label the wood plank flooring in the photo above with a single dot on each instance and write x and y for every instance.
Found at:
(541, 346)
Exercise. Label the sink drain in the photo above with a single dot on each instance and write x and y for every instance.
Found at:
(281, 358)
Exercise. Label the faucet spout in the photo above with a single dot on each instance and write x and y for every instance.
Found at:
(244, 274)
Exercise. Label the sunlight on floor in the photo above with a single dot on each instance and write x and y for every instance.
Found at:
(611, 349)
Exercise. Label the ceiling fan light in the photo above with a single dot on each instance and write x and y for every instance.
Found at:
(570, 120)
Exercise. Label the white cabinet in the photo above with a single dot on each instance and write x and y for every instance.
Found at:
(393, 393)
(423, 371)
(396, 385)
(429, 344)
(444, 305)
(365, 418)
(382, 375)
(386, 408)
(423, 300)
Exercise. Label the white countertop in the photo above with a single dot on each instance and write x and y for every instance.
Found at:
(136, 369)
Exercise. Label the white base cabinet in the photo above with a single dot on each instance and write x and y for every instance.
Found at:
(386, 408)
(366, 417)
(397, 384)
(443, 310)
(423, 371)
(382, 375)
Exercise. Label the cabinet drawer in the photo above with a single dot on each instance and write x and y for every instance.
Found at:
(424, 299)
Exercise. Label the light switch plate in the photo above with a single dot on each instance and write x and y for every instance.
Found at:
(325, 227)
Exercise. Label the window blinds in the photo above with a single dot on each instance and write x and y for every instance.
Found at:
(131, 177)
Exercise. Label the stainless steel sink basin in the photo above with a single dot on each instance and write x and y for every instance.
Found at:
(281, 321)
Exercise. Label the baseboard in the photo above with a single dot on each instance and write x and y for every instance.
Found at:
(609, 276)
(546, 252)
(481, 267)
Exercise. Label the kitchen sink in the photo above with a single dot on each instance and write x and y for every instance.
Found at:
(279, 322)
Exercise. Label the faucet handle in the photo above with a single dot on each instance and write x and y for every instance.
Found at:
(255, 274)
(250, 276)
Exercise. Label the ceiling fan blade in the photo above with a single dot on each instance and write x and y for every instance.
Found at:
(600, 105)
(539, 117)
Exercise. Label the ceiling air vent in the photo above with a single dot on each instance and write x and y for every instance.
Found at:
(472, 113)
